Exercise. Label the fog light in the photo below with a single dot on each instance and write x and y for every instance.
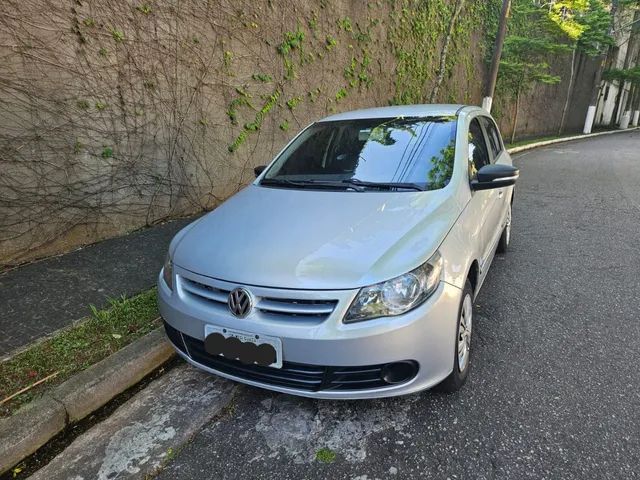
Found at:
(399, 372)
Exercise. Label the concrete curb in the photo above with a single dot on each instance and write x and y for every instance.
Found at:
(566, 139)
(36, 423)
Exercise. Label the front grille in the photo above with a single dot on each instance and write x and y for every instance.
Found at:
(300, 376)
(206, 293)
(270, 307)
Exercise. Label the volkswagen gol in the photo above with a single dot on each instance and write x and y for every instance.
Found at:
(349, 267)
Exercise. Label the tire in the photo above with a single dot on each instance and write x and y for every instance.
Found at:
(461, 365)
(505, 238)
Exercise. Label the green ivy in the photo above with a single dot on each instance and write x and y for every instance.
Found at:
(330, 43)
(293, 102)
(271, 101)
(345, 24)
(117, 35)
(292, 42)
(262, 77)
(144, 8)
(107, 152)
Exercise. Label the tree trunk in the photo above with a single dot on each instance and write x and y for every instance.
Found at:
(515, 117)
(597, 80)
(569, 90)
(627, 61)
(492, 76)
(634, 86)
(445, 47)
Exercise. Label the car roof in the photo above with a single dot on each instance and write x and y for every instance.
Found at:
(432, 110)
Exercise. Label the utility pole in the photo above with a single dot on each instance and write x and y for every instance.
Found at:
(595, 90)
(492, 77)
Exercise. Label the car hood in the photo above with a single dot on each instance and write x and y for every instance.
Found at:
(313, 239)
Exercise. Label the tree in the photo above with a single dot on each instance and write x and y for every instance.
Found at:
(586, 23)
(629, 57)
(533, 37)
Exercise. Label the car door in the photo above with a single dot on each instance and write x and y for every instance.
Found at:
(498, 154)
(483, 201)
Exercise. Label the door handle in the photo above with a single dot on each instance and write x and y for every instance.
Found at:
(500, 193)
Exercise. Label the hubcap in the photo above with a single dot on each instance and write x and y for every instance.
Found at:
(508, 232)
(464, 333)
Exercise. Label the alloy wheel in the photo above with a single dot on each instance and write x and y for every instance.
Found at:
(464, 332)
(508, 226)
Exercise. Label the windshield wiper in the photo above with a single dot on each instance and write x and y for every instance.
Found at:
(282, 182)
(383, 185)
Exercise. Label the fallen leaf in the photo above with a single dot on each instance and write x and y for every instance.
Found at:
(116, 335)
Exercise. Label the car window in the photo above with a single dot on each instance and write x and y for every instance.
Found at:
(478, 152)
(494, 137)
(418, 150)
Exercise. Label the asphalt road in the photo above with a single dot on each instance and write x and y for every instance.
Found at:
(554, 386)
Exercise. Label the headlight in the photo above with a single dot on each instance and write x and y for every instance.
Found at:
(167, 272)
(398, 295)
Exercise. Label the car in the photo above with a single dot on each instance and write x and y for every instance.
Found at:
(348, 269)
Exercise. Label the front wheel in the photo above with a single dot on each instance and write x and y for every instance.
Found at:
(505, 238)
(462, 353)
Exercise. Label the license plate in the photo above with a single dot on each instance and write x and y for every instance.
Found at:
(247, 347)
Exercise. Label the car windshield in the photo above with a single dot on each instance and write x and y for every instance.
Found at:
(380, 154)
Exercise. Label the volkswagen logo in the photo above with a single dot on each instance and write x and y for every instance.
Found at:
(240, 302)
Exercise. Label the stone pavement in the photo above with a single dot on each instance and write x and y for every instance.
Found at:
(40, 298)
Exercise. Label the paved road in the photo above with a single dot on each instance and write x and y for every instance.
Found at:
(553, 392)
(40, 298)
(554, 388)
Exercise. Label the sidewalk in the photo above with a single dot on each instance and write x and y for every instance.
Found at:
(40, 298)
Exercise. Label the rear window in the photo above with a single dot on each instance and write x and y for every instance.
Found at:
(385, 150)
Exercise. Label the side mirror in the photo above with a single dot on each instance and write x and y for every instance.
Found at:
(258, 170)
(495, 176)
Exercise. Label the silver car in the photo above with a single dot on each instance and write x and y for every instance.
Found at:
(349, 267)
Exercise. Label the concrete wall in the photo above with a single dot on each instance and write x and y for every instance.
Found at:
(120, 114)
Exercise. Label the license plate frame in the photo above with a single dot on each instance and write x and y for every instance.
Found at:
(248, 337)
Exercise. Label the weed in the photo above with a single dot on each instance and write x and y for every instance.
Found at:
(325, 455)
(107, 152)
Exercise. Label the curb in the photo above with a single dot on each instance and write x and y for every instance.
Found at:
(567, 139)
(36, 423)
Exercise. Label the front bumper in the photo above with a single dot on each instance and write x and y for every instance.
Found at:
(425, 335)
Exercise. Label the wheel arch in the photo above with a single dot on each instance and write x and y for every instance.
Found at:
(474, 276)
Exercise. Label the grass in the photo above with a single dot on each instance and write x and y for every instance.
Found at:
(76, 348)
